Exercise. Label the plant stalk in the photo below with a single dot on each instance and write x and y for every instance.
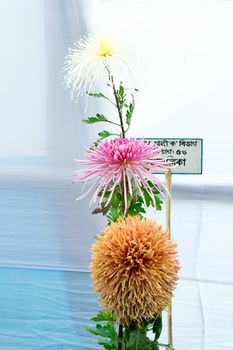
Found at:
(120, 330)
(110, 77)
(118, 108)
(168, 177)
(120, 337)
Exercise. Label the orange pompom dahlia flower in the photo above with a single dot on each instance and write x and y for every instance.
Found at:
(134, 269)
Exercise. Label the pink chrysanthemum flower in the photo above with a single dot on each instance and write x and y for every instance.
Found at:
(123, 161)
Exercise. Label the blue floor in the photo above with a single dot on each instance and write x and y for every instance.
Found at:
(45, 309)
(45, 235)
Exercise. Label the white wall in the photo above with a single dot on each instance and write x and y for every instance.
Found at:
(22, 87)
(189, 72)
(187, 84)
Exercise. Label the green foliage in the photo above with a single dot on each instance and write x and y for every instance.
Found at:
(121, 96)
(130, 111)
(96, 119)
(134, 338)
(103, 209)
(158, 203)
(105, 133)
(114, 214)
(124, 108)
(99, 94)
(103, 316)
(122, 101)
(157, 327)
(96, 94)
(148, 199)
(138, 340)
(107, 332)
(116, 200)
(135, 205)
(105, 328)
(114, 208)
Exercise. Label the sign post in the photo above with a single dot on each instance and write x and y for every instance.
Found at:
(168, 179)
(187, 154)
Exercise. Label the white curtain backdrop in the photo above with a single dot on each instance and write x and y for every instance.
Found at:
(187, 92)
(41, 135)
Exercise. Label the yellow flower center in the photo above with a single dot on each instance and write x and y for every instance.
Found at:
(104, 48)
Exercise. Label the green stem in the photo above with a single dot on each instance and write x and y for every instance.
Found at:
(118, 108)
(110, 77)
(127, 129)
(120, 337)
(116, 135)
(120, 331)
(109, 121)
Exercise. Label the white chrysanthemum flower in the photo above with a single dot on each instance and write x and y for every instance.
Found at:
(86, 63)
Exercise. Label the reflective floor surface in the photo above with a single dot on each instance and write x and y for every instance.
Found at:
(48, 309)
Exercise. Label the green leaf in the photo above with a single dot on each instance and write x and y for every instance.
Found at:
(112, 345)
(103, 316)
(106, 195)
(157, 327)
(92, 330)
(105, 331)
(103, 134)
(147, 197)
(97, 211)
(155, 346)
(130, 111)
(136, 208)
(116, 200)
(154, 189)
(126, 334)
(121, 91)
(139, 208)
(132, 198)
(96, 119)
(158, 202)
(95, 94)
(105, 328)
(104, 209)
(121, 96)
(137, 340)
(114, 214)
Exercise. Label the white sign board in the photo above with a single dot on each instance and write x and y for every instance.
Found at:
(187, 153)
